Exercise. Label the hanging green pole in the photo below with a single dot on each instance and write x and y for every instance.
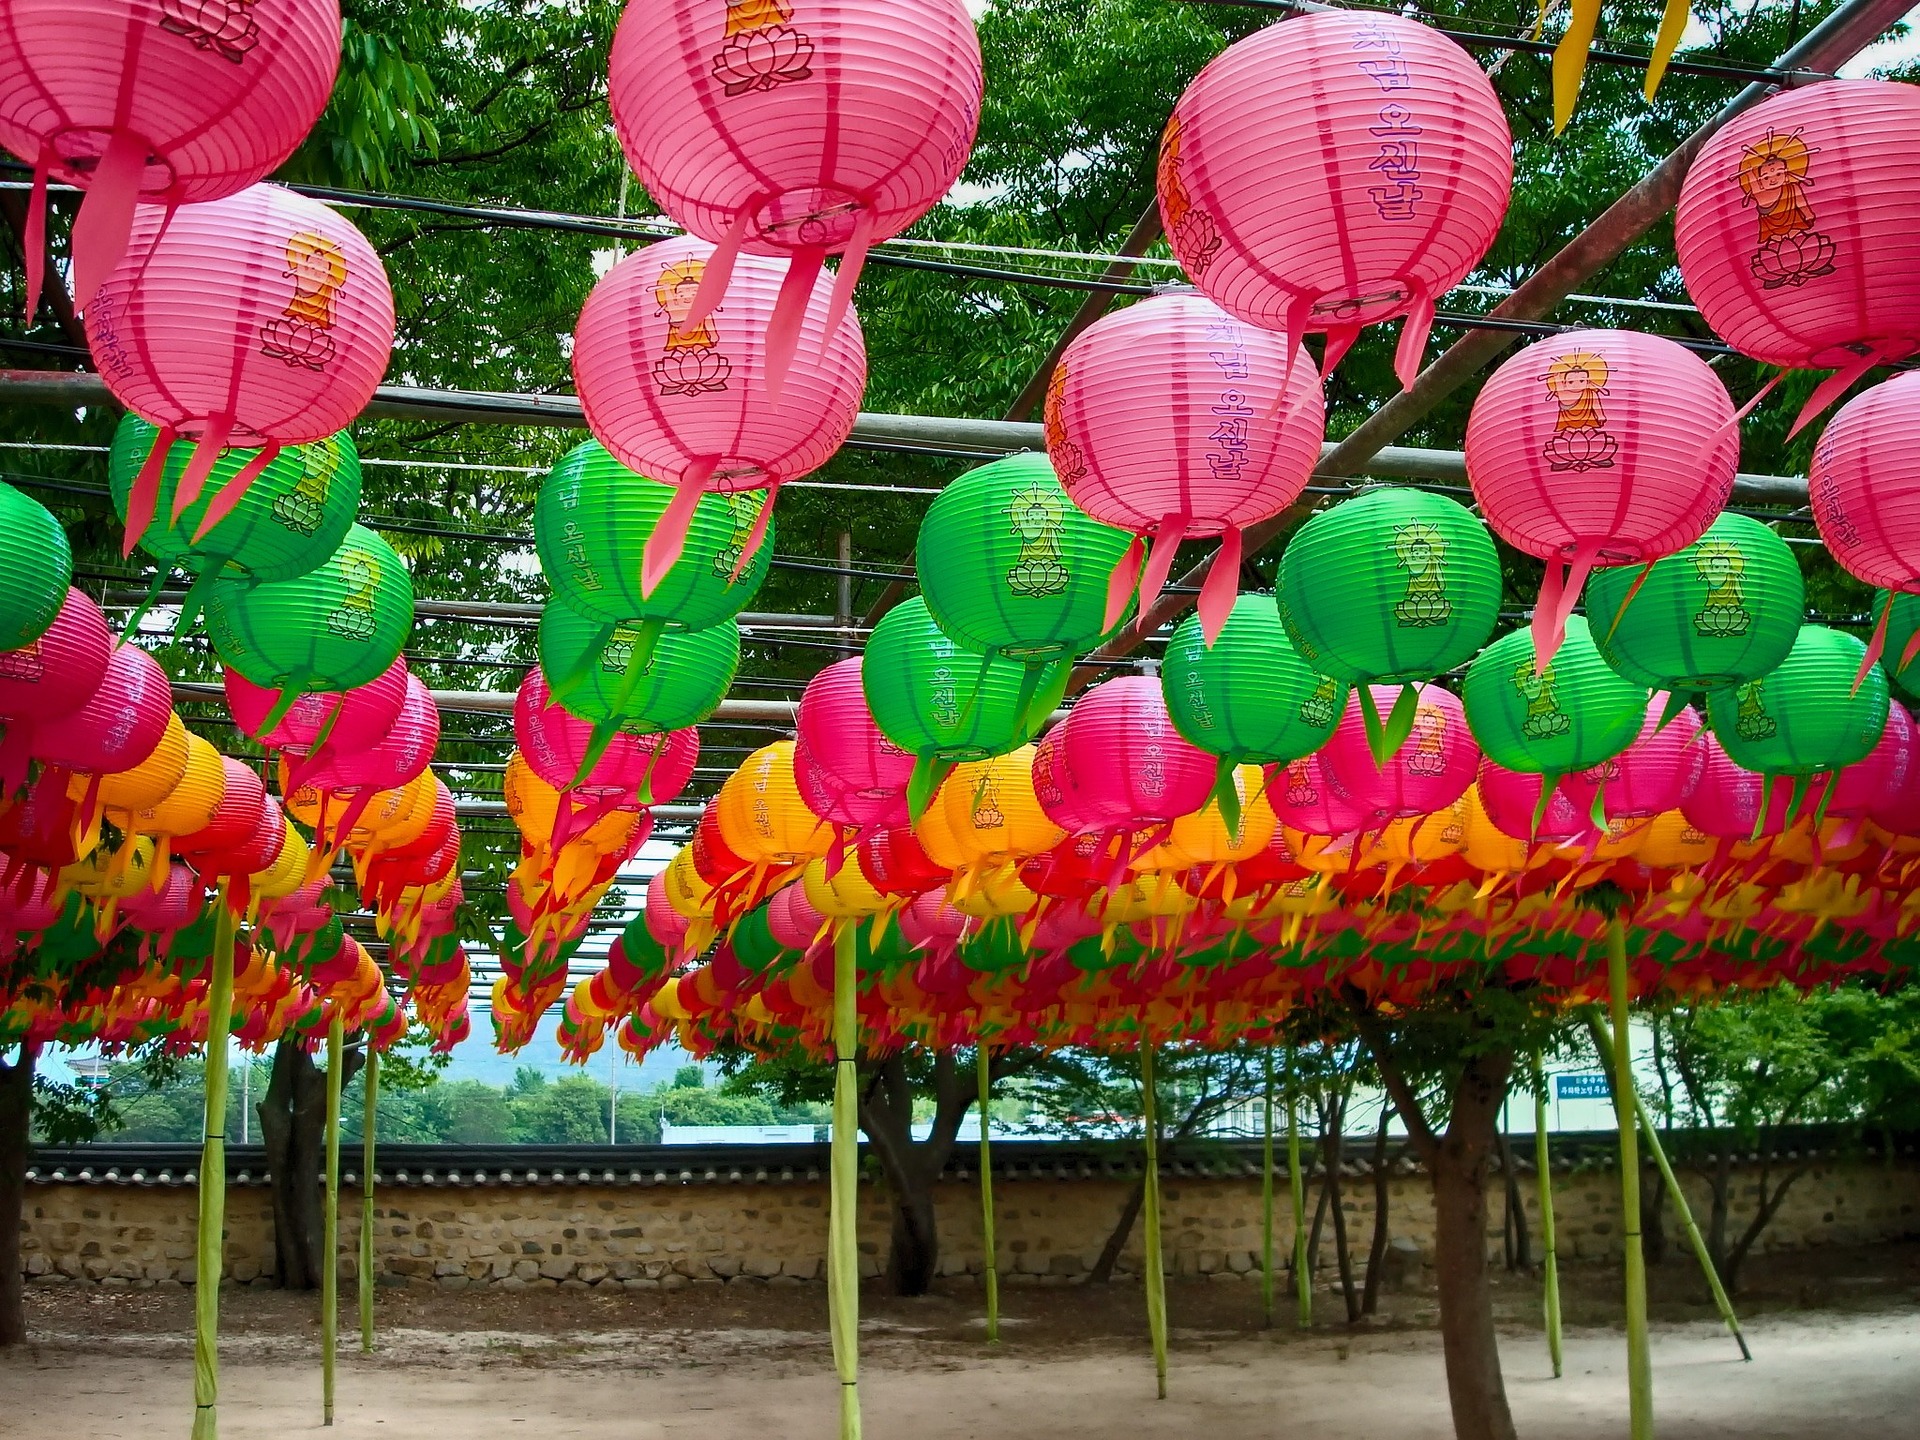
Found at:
(983, 1064)
(1544, 1176)
(211, 1233)
(1694, 1237)
(1639, 1349)
(1302, 1281)
(330, 1227)
(367, 1128)
(1156, 1276)
(843, 1240)
(1266, 1196)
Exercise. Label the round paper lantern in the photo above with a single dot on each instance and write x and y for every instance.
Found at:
(797, 128)
(147, 781)
(1654, 774)
(1305, 798)
(994, 811)
(119, 724)
(1334, 172)
(36, 567)
(1804, 717)
(1117, 762)
(287, 522)
(1013, 567)
(1599, 447)
(1173, 420)
(760, 813)
(335, 627)
(1249, 696)
(1900, 616)
(399, 755)
(943, 702)
(1732, 802)
(261, 319)
(1390, 586)
(52, 675)
(594, 519)
(840, 736)
(616, 682)
(1794, 236)
(1721, 611)
(1861, 789)
(694, 402)
(1530, 808)
(320, 723)
(167, 101)
(558, 745)
(190, 804)
(1427, 773)
(1569, 716)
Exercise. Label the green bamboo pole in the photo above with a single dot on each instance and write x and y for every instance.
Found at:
(1694, 1237)
(1266, 1195)
(367, 1129)
(983, 1064)
(211, 1233)
(330, 1226)
(1543, 1174)
(1302, 1281)
(1639, 1349)
(1156, 1275)
(843, 1254)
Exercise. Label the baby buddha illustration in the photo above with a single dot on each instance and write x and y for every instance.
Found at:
(691, 362)
(1038, 520)
(762, 49)
(1751, 720)
(302, 334)
(1773, 177)
(302, 508)
(1724, 613)
(1544, 717)
(1317, 708)
(1580, 440)
(352, 618)
(1419, 549)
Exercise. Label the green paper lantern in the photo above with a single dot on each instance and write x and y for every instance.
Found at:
(290, 518)
(1569, 717)
(1804, 717)
(1901, 627)
(941, 700)
(1722, 611)
(1009, 565)
(1392, 586)
(643, 952)
(592, 522)
(335, 627)
(1249, 698)
(679, 683)
(36, 567)
(754, 946)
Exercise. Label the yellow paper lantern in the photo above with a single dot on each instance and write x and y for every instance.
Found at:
(1671, 843)
(189, 805)
(760, 813)
(993, 812)
(147, 783)
(1203, 838)
(847, 896)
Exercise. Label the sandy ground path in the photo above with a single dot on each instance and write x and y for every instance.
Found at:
(1817, 1375)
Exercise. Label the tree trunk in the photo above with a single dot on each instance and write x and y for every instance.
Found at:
(1382, 1192)
(1653, 1206)
(913, 1258)
(16, 1115)
(1102, 1270)
(1518, 1243)
(910, 1168)
(293, 1127)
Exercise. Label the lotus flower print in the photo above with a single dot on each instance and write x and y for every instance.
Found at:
(1793, 260)
(224, 26)
(691, 371)
(296, 342)
(761, 59)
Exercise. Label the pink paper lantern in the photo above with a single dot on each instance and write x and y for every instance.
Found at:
(1116, 763)
(243, 800)
(1795, 231)
(1173, 419)
(665, 924)
(1307, 798)
(1599, 447)
(689, 402)
(401, 754)
(171, 102)
(120, 723)
(932, 923)
(1512, 802)
(1729, 798)
(1897, 810)
(849, 773)
(792, 920)
(263, 319)
(795, 128)
(336, 722)
(1430, 771)
(48, 678)
(1653, 775)
(1333, 172)
(1862, 789)
(164, 911)
(556, 744)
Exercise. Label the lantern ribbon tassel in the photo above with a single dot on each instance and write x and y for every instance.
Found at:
(1121, 584)
(1570, 60)
(1833, 387)
(1673, 24)
(105, 220)
(1559, 593)
(1166, 543)
(757, 535)
(228, 495)
(1221, 587)
(34, 241)
(1414, 330)
(789, 313)
(206, 453)
(144, 494)
(718, 273)
(852, 261)
(669, 537)
(1876, 645)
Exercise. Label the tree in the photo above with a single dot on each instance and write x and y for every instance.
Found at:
(293, 1126)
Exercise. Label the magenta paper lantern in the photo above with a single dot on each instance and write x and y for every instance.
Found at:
(1175, 420)
(792, 919)
(557, 744)
(1430, 771)
(163, 910)
(171, 102)
(120, 723)
(263, 319)
(323, 723)
(795, 128)
(1728, 801)
(1307, 798)
(688, 401)
(1333, 172)
(1511, 799)
(1861, 790)
(1795, 231)
(665, 924)
(1117, 763)
(849, 773)
(400, 756)
(1897, 810)
(933, 923)
(1599, 447)
(1865, 489)
(48, 678)
(1653, 775)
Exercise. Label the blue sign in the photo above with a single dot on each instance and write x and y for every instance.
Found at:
(1590, 1086)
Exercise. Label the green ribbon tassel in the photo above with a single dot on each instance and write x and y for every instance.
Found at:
(928, 773)
(1384, 739)
(1226, 794)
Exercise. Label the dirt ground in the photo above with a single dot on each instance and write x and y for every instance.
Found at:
(1836, 1339)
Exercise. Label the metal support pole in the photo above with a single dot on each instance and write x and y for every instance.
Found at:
(330, 1228)
(1639, 1350)
(368, 1127)
(1266, 1194)
(843, 1237)
(1156, 1274)
(983, 1064)
(211, 1232)
(1543, 1174)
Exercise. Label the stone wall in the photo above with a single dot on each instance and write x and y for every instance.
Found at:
(674, 1234)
